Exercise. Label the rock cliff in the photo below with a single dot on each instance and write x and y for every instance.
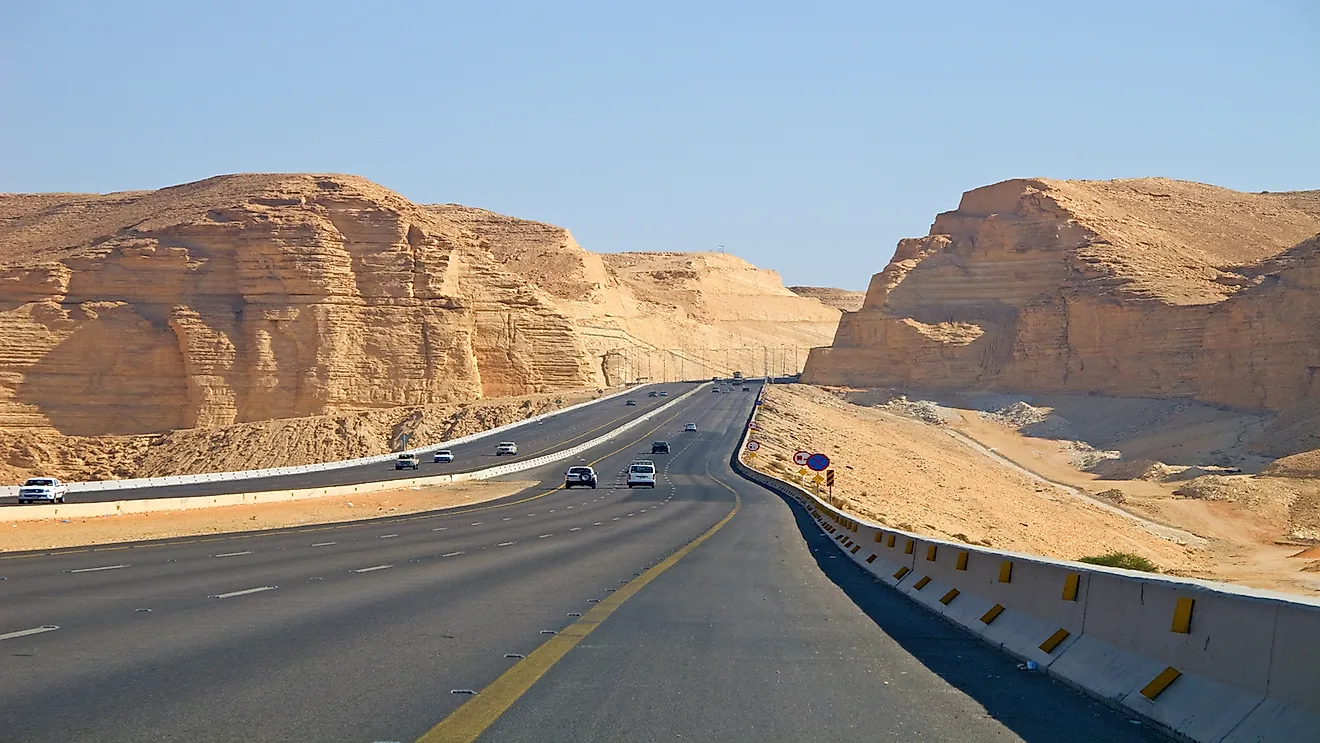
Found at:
(252, 297)
(1146, 287)
(658, 315)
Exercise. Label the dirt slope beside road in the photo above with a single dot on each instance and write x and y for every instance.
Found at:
(915, 477)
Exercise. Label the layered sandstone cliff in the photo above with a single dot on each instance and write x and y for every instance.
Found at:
(659, 315)
(1146, 287)
(253, 297)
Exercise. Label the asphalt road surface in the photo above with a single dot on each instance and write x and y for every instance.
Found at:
(367, 632)
(534, 439)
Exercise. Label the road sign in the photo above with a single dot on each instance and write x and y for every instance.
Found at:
(800, 457)
(751, 455)
(818, 479)
(818, 462)
(829, 478)
(753, 445)
(754, 426)
(802, 472)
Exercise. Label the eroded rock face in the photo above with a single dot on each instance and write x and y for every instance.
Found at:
(1146, 287)
(250, 297)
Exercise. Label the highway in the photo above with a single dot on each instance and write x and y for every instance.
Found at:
(534, 439)
(706, 609)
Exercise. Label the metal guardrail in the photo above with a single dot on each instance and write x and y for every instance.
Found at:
(171, 480)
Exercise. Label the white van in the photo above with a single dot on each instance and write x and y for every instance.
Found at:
(641, 475)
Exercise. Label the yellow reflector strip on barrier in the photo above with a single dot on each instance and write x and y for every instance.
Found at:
(878, 535)
(1070, 586)
(1161, 682)
(891, 541)
(993, 614)
(962, 561)
(921, 583)
(1053, 641)
(930, 553)
(856, 547)
(911, 545)
(950, 596)
(1006, 571)
(901, 572)
(1182, 616)
(871, 558)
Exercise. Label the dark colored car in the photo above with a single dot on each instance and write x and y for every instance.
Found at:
(580, 476)
(659, 447)
(631, 403)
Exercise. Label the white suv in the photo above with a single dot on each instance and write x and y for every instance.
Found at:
(42, 489)
(506, 447)
(641, 474)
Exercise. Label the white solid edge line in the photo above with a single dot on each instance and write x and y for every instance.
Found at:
(93, 570)
(26, 632)
(242, 593)
(376, 567)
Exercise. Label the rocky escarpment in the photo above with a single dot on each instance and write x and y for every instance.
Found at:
(659, 315)
(1141, 288)
(250, 297)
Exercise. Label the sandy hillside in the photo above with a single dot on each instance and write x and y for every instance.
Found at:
(1177, 462)
(916, 477)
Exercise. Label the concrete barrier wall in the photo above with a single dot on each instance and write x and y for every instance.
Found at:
(156, 482)
(1205, 661)
(147, 505)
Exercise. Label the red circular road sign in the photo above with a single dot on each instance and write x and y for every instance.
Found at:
(800, 458)
(753, 445)
(754, 426)
(818, 462)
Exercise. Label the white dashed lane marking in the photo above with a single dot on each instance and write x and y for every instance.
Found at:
(232, 594)
(452, 554)
(388, 536)
(324, 544)
(374, 567)
(233, 554)
(27, 632)
(94, 570)
(504, 544)
(543, 536)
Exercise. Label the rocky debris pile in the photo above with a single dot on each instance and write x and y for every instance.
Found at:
(922, 410)
(1018, 415)
(1132, 469)
(1084, 456)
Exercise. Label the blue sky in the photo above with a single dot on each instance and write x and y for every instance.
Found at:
(805, 137)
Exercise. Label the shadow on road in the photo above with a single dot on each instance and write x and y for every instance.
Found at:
(1036, 708)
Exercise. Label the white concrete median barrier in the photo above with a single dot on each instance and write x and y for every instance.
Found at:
(146, 505)
(1208, 662)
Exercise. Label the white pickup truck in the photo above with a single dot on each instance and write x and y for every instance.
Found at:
(42, 490)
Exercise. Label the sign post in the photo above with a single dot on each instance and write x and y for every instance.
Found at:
(829, 481)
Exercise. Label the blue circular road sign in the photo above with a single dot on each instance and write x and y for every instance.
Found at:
(818, 462)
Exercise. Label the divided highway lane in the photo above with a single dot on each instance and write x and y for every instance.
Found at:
(345, 633)
(534, 439)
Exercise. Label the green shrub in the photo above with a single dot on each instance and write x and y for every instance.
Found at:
(1125, 560)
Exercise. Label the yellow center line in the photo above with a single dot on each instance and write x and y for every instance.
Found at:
(469, 721)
